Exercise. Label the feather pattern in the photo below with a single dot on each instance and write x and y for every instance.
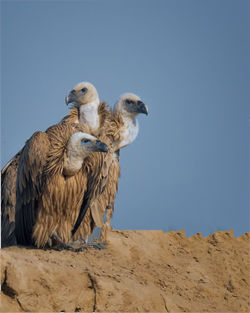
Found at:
(8, 201)
(62, 196)
(103, 185)
(29, 185)
(47, 201)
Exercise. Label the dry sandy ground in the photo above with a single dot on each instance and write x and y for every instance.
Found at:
(140, 271)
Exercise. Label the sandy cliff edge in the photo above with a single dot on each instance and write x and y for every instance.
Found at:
(140, 271)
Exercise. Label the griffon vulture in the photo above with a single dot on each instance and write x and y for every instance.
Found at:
(124, 118)
(120, 129)
(87, 112)
(51, 179)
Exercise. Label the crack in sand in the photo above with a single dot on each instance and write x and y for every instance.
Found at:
(20, 305)
(93, 286)
(165, 304)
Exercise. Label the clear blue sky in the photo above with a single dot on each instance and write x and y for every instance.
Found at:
(188, 61)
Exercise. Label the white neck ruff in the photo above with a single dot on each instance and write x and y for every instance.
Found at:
(129, 131)
(89, 115)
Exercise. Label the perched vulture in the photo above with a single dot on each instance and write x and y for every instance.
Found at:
(119, 130)
(123, 120)
(89, 114)
(51, 179)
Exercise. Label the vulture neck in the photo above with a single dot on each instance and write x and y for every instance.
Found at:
(74, 159)
(128, 132)
(89, 115)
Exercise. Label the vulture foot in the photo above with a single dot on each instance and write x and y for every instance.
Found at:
(97, 245)
(81, 244)
(76, 246)
(59, 245)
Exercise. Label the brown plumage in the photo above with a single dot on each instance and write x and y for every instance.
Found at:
(9, 173)
(104, 170)
(98, 188)
(104, 202)
(48, 201)
(8, 201)
(120, 129)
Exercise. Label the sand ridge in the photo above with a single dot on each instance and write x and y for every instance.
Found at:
(139, 271)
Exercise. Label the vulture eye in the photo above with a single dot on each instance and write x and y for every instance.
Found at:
(85, 140)
(129, 102)
(84, 90)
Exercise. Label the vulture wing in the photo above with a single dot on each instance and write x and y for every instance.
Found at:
(103, 180)
(29, 185)
(97, 178)
(8, 201)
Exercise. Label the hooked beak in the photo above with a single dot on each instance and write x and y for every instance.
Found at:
(71, 97)
(101, 146)
(141, 107)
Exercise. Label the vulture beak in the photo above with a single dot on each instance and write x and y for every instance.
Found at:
(71, 97)
(141, 107)
(101, 146)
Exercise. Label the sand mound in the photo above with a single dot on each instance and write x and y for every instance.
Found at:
(145, 271)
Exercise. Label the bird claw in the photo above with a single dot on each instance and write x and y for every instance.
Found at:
(59, 245)
(77, 245)
(98, 245)
(86, 246)
(82, 244)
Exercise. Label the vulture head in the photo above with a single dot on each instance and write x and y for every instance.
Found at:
(79, 146)
(82, 144)
(129, 104)
(82, 93)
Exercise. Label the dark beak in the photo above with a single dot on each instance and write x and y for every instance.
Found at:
(71, 97)
(101, 146)
(141, 107)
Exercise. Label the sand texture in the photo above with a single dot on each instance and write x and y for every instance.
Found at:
(139, 271)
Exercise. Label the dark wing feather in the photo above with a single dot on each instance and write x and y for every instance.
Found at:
(29, 185)
(8, 237)
(8, 201)
(94, 186)
(81, 215)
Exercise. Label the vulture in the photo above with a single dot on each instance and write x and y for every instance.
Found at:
(51, 179)
(87, 114)
(119, 130)
(123, 120)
